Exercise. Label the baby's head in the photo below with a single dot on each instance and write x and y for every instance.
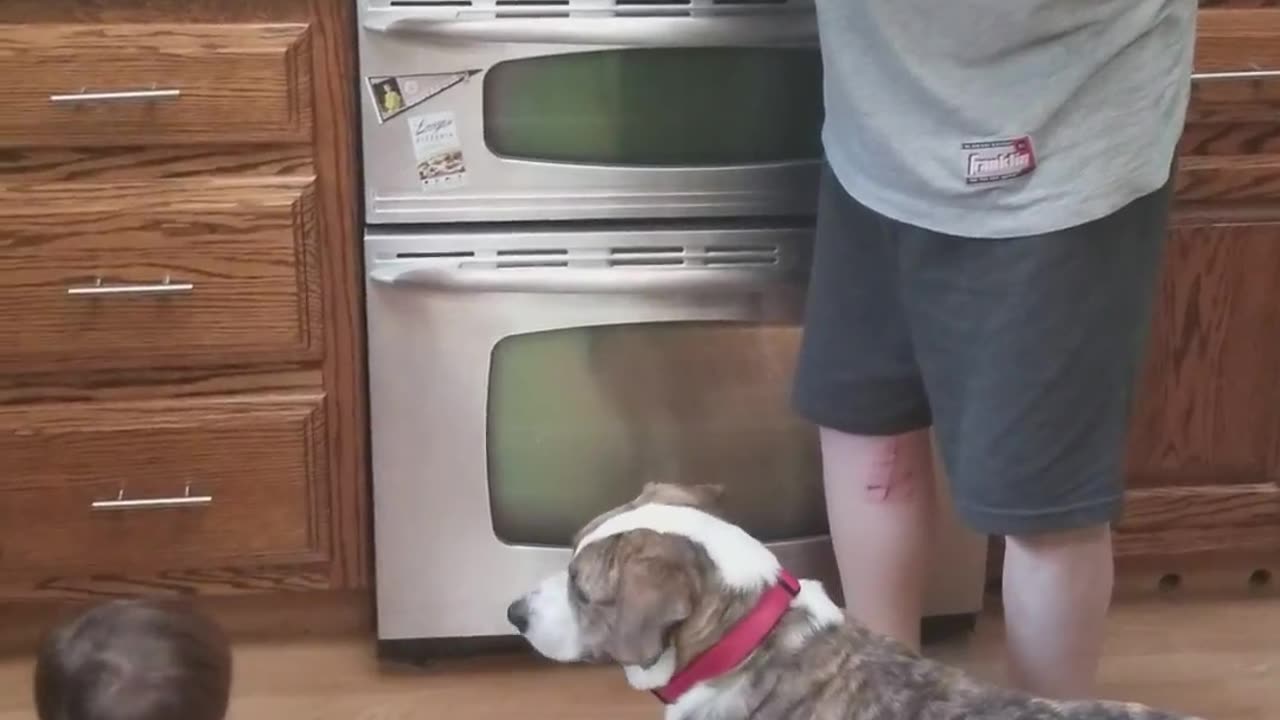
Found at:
(134, 660)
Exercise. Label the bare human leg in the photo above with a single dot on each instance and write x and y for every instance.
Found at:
(881, 506)
(1057, 591)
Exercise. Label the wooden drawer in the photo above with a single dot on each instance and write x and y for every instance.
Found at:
(259, 461)
(1235, 92)
(208, 84)
(240, 258)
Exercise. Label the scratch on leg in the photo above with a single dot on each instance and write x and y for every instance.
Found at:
(893, 475)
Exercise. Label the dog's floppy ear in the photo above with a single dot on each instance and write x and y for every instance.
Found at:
(644, 626)
(655, 594)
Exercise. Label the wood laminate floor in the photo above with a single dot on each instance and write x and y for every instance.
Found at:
(1219, 659)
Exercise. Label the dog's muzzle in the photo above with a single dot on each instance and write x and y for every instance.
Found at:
(546, 618)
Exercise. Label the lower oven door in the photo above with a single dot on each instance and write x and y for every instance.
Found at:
(473, 117)
(523, 383)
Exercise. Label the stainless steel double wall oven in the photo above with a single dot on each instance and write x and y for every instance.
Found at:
(588, 227)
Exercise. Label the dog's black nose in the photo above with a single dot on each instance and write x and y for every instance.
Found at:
(518, 614)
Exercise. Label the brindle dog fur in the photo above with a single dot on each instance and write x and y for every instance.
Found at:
(639, 594)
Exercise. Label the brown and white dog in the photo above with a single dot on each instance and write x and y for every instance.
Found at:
(702, 615)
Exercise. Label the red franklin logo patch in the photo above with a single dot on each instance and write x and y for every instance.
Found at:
(990, 161)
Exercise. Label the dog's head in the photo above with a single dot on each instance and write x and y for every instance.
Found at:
(648, 581)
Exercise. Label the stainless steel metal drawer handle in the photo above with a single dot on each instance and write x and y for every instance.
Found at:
(115, 96)
(121, 503)
(165, 287)
(1236, 75)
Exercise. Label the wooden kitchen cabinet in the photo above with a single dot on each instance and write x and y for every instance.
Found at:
(214, 83)
(1204, 457)
(244, 475)
(1205, 447)
(226, 273)
(181, 334)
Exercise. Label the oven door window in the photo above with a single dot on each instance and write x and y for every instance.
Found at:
(580, 419)
(657, 107)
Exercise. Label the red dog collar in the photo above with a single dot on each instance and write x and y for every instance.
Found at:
(737, 644)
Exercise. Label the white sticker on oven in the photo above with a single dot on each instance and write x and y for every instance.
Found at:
(438, 151)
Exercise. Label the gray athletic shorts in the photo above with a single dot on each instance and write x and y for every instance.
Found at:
(1021, 353)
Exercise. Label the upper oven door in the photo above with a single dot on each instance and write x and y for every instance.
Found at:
(583, 109)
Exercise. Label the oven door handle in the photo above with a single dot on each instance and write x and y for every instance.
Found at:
(795, 27)
(612, 280)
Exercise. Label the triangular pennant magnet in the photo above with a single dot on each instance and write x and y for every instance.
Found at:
(393, 94)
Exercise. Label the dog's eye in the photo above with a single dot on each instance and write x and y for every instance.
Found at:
(575, 590)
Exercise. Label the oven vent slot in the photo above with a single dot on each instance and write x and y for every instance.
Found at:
(536, 251)
(663, 249)
(644, 261)
(756, 255)
(531, 263)
(773, 249)
(745, 255)
(663, 8)
(434, 255)
(644, 257)
(505, 8)
(532, 258)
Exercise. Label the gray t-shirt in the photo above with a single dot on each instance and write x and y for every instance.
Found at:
(999, 118)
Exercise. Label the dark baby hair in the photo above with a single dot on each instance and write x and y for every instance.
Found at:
(134, 660)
